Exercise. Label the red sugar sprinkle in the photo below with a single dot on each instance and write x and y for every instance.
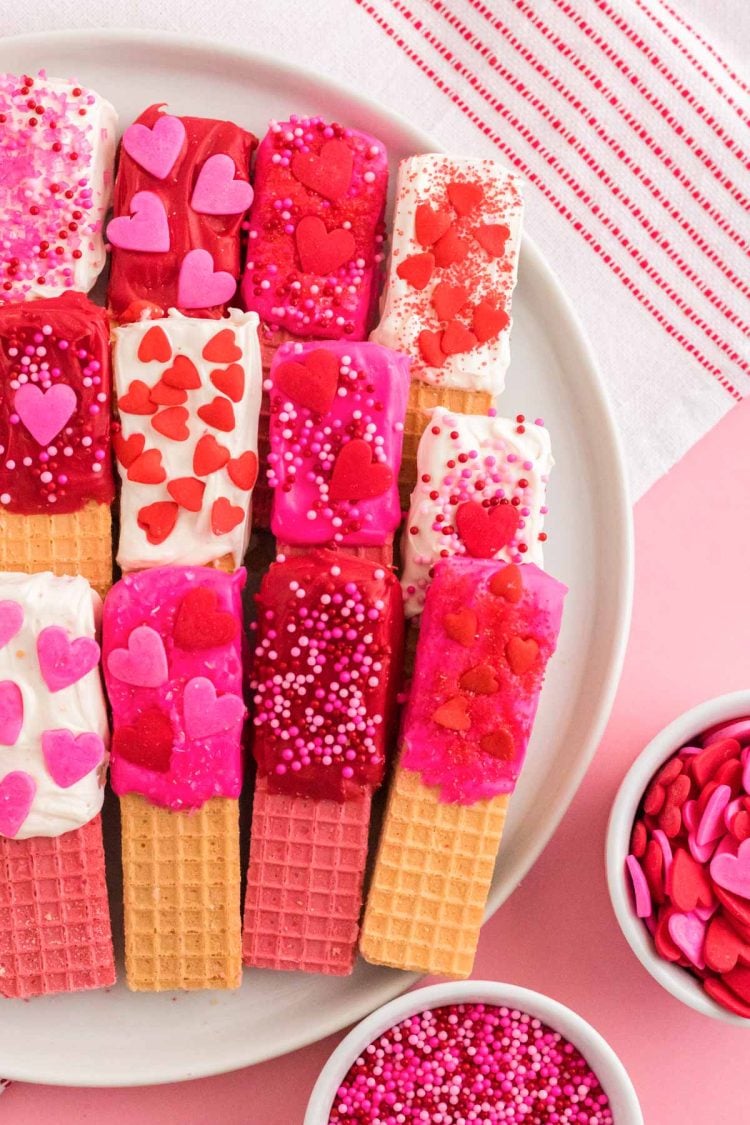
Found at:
(471, 1063)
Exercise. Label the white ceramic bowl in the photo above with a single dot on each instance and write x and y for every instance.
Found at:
(597, 1052)
(682, 984)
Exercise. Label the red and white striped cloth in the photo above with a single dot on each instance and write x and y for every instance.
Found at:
(629, 120)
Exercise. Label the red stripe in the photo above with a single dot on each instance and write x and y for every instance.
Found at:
(540, 105)
(639, 129)
(576, 187)
(677, 42)
(652, 99)
(706, 46)
(621, 24)
(565, 211)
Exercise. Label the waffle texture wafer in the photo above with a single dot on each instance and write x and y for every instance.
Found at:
(55, 933)
(304, 883)
(181, 889)
(432, 875)
(422, 398)
(65, 543)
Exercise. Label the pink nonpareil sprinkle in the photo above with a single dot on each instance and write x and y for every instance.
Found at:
(471, 1062)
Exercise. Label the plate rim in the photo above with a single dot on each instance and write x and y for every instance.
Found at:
(581, 355)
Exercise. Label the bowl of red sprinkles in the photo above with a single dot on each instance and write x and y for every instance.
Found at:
(678, 858)
(473, 1053)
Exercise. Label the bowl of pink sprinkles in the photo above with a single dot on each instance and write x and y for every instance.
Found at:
(475, 1052)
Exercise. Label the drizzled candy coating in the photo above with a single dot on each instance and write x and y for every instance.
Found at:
(327, 658)
(316, 229)
(55, 405)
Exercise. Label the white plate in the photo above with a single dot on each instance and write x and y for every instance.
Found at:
(121, 1038)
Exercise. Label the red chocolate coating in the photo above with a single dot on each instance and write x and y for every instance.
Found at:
(142, 280)
(327, 662)
(62, 341)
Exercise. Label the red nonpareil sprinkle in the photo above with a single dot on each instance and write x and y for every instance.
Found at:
(471, 1062)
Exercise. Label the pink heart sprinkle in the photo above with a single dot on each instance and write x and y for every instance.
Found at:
(701, 853)
(155, 149)
(11, 620)
(712, 822)
(207, 714)
(44, 413)
(198, 286)
(739, 730)
(690, 815)
(11, 712)
(216, 191)
(17, 791)
(70, 757)
(144, 662)
(746, 770)
(688, 933)
(63, 662)
(730, 812)
(146, 228)
(732, 872)
(666, 849)
(640, 887)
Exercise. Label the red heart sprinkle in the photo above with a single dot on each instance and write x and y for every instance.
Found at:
(653, 800)
(158, 520)
(199, 624)
(722, 946)
(485, 531)
(705, 764)
(230, 381)
(218, 413)
(739, 981)
(188, 492)
(322, 251)
(705, 795)
(243, 470)
(183, 373)
(127, 449)
(329, 172)
(507, 583)
(430, 225)
(222, 348)
(740, 827)
(155, 345)
(137, 400)
(480, 679)
(488, 321)
(172, 423)
(430, 349)
(465, 197)
(461, 626)
(724, 996)
(164, 395)
(653, 869)
(670, 821)
(447, 299)
(450, 249)
(416, 270)
(638, 839)
(669, 772)
(453, 714)
(356, 476)
(147, 468)
(457, 338)
(147, 743)
(522, 654)
(209, 456)
(730, 773)
(678, 791)
(225, 516)
(738, 908)
(665, 947)
(688, 884)
(492, 237)
(310, 382)
(499, 743)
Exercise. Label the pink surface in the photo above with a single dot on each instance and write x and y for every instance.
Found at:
(685, 646)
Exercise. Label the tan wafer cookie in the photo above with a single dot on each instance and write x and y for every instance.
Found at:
(422, 398)
(431, 879)
(181, 886)
(304, 882)
(66, 543)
